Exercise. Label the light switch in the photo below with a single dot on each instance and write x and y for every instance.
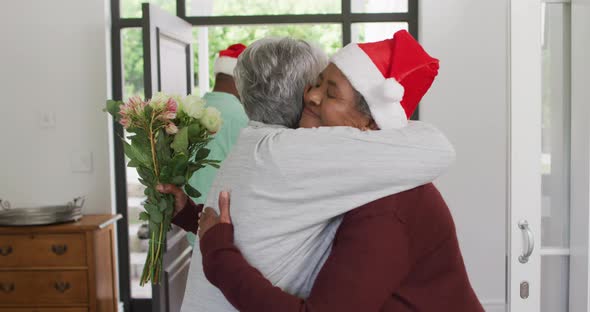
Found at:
(47, 120)
(81, 162)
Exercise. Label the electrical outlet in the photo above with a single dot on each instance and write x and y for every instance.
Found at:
(81, 162)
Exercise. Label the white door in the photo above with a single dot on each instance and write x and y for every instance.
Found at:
(540, 145)
(524, 219)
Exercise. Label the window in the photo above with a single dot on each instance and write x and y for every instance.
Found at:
(217, 24)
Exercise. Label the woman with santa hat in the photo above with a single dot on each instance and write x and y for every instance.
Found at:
(397, 251)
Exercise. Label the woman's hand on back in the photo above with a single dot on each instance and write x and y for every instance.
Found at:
(209, 217)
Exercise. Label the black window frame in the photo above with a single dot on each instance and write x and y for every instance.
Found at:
(346, 18)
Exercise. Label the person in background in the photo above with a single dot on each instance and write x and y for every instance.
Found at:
(224, 98)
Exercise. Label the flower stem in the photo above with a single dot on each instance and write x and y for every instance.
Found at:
(153, 147)
(159, 242)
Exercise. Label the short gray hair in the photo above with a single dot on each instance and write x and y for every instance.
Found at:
(271, 75)
(361, 104)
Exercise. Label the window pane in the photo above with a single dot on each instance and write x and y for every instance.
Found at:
(555, 155)
(554, 283)
(261, 7)
(132, 8)
(369, 32)
(379, 6)
(132, 55)
(214, 39)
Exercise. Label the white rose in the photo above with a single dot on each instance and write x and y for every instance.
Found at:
(211, 119)
(193, 106)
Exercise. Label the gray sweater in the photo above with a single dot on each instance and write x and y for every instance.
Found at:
(290, 187)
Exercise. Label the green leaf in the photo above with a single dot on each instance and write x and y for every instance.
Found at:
(180, 143)
(191, 191)
(113, 108)
(150, 192)
(147, 175)
(134, 152)
(163, 147)
(162, 204)
(195, 132)
(151, 208)
(144, 216)
(133, 163)
(202, 154)
(165, 174)
(156, 217)
(178, 180)
(154, 228)
(139, 138)
(180, 163)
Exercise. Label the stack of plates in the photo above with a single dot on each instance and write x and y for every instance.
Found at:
(71, 211)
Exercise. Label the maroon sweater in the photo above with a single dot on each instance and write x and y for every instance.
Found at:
(399, 253)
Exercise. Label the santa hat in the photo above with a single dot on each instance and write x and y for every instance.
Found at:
(227, 60)
(392, 75)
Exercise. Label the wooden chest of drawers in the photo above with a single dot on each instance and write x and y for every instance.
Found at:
(67, 267)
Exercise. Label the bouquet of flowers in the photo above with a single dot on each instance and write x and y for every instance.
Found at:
(166, 144)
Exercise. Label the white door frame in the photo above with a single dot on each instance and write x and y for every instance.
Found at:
(579, 289)
(524, 196)
(524, 168)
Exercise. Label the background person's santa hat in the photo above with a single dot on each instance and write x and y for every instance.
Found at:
(227, 60)
(392, 75)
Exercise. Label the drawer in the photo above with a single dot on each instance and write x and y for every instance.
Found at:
(43, 287)
(42, 250)
(43, 310)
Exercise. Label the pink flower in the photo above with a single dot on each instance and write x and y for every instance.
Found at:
(171, 105)
(171, 128)
(169, 110)
(134, 106)
(125, 122)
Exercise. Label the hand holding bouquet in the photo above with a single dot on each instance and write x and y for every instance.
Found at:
(166, 144)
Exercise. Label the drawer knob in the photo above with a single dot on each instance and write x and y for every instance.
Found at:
(59, 249)
(62, 287)
(7, 288)
(5, 251)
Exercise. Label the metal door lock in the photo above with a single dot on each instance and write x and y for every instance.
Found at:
(524, 290)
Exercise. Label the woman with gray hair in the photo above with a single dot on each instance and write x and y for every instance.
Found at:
(294, 185)
(270, 87)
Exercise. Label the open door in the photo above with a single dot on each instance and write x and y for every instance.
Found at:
(168, 67)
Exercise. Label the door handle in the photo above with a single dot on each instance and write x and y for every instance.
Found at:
(7, 288)
(529, 242)
(61, 286)
(5, 251)
(59, 249)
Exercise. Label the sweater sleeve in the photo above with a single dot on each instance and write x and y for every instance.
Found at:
(188, 217)
(365, 266)
(355, 166)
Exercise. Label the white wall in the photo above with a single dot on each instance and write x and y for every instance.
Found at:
(468, 102)
(53, 59)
